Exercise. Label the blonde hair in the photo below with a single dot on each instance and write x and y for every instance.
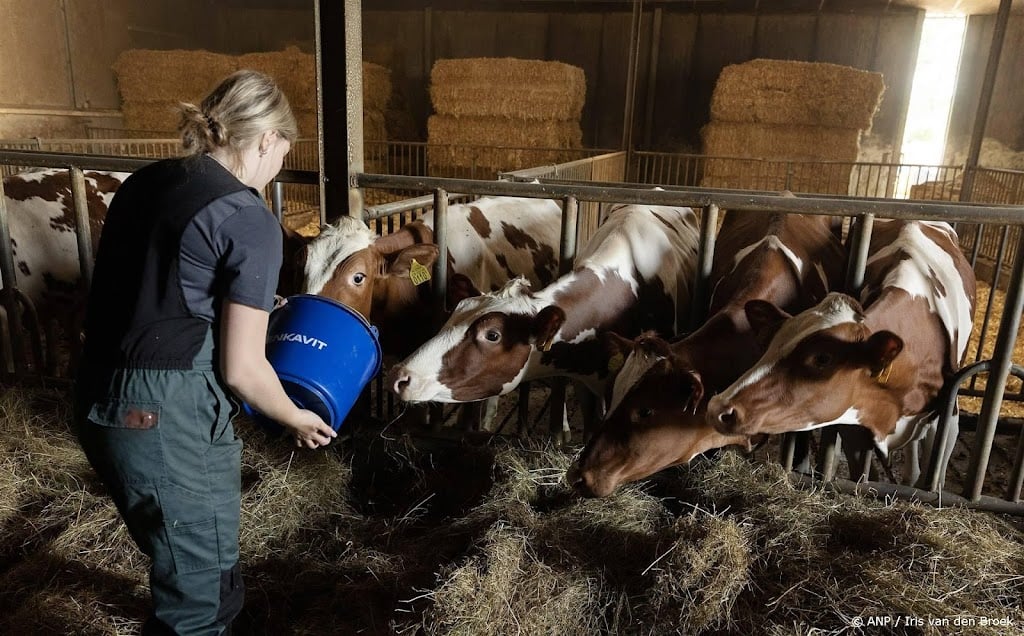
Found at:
(242, 107)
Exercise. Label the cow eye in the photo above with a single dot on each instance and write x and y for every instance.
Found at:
(492, 335)
(645, 412)
(821, 360)
(359, 278)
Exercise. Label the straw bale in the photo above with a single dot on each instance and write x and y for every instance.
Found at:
(156, 117)
(792, 92)
(149, 76)
(777, 141)
(293, 70)
(374, 125)
(508, 87)
(756, 174)
(498, 142)
(376, 86)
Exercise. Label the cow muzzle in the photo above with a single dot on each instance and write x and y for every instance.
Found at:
(726, 417)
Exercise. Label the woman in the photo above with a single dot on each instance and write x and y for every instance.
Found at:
(184, 280)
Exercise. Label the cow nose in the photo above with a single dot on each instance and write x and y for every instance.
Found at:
(724, 417)
(574, 477)
(399, 380)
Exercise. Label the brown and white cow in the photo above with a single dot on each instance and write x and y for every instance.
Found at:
(635, 273)
(41, 220)
(656, 414)
(880, 363)
(490, 241)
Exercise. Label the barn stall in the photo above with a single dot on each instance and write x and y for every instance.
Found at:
(510, 550)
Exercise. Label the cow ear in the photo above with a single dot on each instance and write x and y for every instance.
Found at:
(546, 324)
(410, 234)
(616, 349)
(690, 384)
(423, 254)
(881, 349)
(765, 318)
(460, 288)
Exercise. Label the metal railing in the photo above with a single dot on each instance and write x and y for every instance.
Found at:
(999, 366)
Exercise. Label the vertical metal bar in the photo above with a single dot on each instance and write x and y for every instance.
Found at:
(83, 232)
(1017, 480)
(1001, 360)
(655, 41)
(631, 70)
(985, 100)
(441, 238)
(10, 289)
(340, 105)
(277, 199)
(570, 230)
(705, 259)
(859, 254)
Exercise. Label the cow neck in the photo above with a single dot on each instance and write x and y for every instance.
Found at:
(719, 352)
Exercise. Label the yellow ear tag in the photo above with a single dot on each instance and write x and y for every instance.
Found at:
(418, 273)
(615, 362)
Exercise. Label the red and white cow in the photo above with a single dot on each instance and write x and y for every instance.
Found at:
(41, 219)
(879, 363)
(490, 241)
(656, 414)
(636, 273)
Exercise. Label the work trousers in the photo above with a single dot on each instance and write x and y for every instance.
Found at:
(163, 443)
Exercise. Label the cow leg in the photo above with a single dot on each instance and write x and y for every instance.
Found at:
(6, 342)
(858, 447)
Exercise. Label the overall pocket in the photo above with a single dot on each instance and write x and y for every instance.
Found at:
(125, 439)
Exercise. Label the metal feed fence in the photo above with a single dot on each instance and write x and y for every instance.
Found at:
(575, 194)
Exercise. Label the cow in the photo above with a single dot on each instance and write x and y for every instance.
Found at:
(635, 273)
(386, 278)
(41, 219)
(880, 362)
(657, 403)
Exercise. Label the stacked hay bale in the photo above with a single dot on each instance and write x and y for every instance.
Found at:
(781, 110)
(152, 83)
(488, 110)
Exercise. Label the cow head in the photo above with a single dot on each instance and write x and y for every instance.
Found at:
(654, 419)
(482, 350)
(821, 366)
(380, 277)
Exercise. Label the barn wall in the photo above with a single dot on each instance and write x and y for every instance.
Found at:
(1006, 115)
(58, 88)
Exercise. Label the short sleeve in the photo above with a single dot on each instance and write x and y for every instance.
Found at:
(249, 243)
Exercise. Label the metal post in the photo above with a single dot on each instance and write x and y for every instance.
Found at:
(705, 260)
(277, 199)
(441, 239)
(1017, 480)
(1001, 359)
(339, 66)
(985, 100)
(567, 246)
(82, 230)
(859, 253)
(631, 69)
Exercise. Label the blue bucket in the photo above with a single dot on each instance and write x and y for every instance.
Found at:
(324, 353)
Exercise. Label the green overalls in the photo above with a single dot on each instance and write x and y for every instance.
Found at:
(180, 238)
(176, 480)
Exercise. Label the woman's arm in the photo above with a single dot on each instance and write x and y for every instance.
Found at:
(245, 368)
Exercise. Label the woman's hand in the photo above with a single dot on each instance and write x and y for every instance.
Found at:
(309, 430)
